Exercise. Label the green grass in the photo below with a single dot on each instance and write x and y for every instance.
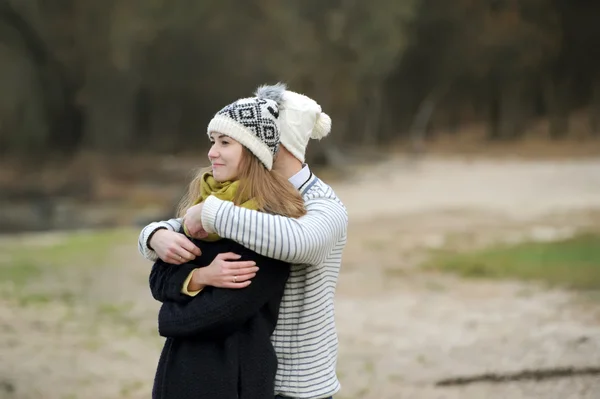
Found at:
(25, 258)
(572, 263)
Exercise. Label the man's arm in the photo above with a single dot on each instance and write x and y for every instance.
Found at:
(220, 311)
(308, 239)
(147, 232)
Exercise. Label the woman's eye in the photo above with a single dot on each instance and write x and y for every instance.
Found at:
(224, 142)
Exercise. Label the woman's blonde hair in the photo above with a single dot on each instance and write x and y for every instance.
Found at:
(273, 192)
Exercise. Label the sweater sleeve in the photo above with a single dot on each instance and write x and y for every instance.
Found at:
(146, 233)
(166, 281)
(306, 240)
(221, 311)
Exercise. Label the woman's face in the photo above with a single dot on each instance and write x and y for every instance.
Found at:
(225, 156)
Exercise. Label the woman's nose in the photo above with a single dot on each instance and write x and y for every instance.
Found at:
(213, 153)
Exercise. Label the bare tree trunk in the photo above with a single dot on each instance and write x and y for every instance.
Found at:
(594, 109)
(418, 129)
(513, 110)
(494, 111)
(55, 95)
(371, 134)
(165, 123)
(556, 99)
(110, 110)
(454, 118)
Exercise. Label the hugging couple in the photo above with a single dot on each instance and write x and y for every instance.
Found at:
(247, 272)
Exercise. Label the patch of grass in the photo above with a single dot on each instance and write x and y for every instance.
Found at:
(369, 367)
(131, 387)
(93, 344)
(64, 247)
(374, 244)
(571, 263)
(35, 299)
(435, 286)
(119, 314)
(394, 272)
(24, 258)
(114, 309)
(18, 272)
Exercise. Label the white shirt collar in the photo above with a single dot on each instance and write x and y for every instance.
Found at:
(301, 177)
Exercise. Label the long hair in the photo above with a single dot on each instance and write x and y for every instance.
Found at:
(273, 193)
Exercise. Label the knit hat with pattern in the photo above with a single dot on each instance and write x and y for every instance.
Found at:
(254, 123)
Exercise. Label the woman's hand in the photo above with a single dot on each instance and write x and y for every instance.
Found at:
(225, 271)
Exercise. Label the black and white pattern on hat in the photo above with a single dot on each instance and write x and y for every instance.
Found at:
(259, 116)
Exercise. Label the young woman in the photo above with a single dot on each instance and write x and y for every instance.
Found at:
(218, 340)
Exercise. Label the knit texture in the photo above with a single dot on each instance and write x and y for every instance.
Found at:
(218, 342)
(301, 119)
(305, 338)
(253, 122)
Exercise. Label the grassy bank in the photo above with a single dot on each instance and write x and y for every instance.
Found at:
(571, 263)
(23, 257)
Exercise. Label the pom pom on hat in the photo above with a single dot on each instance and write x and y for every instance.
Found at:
(322, 126)
(301, 118)
(271, 92)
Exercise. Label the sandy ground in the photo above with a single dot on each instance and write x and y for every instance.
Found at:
(401, 330)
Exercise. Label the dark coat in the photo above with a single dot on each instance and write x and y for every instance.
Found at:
(218, 343)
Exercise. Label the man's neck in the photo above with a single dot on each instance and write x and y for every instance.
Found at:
(287, 164)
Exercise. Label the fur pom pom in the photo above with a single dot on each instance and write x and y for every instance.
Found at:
(322, 126)
(271, 92)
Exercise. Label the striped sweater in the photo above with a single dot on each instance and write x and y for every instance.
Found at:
(305, 337)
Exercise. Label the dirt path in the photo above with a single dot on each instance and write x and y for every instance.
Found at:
(401, 330)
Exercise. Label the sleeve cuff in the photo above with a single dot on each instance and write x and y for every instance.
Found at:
(209, 213)
(146, 234)
(184, 289)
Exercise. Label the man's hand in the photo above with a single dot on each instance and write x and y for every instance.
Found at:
(225, 271)
(193, 221)
(173, 247)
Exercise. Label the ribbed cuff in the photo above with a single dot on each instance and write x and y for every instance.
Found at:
(147, 233)
(184, 289)
(209, 213)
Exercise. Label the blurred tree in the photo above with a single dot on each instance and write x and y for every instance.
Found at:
(120, 75)
(341, 52)
(487, 50)
(35, 105)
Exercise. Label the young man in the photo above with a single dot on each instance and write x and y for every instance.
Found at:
(305, 339)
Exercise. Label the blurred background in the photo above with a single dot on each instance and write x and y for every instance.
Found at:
(465, 145)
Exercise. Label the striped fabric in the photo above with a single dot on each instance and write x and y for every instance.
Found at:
(305, 338)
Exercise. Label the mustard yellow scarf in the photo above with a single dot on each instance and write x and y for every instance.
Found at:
(224, 191)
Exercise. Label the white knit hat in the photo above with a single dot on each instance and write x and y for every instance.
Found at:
(254, 123)
(301, 119)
